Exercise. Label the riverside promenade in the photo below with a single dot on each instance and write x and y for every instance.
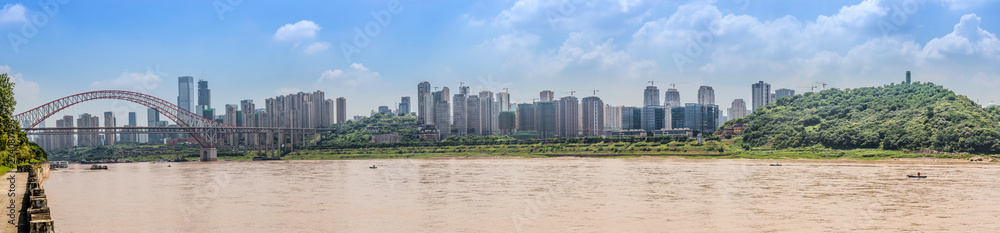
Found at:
(15, 205)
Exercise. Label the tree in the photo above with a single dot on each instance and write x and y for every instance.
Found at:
(7, 123)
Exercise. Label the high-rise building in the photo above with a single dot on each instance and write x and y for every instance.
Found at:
(204, 97)
(783, 92)
(569, 117)
(525, 117)
(423, 91)
(706, 95)
(65, 141)
(185, 93)
(232, 118)
(612, 117)
(341, 110)
(761, 95)
(442, 118)
(546, 96)
(489, 113)
(672, 98)
(772, 99)
(545, 119)
(404, 105)
(507, 120)
(503, 101)
(463, 90)
(592, 116)
(631, 118)
(249, 119)
(651, 96)
(384, 109)
(738, 110)
(130, 137)
(109, 121)
(700, 118)
(88, 140)
(474, 121)
(654, 117)
(460, 114)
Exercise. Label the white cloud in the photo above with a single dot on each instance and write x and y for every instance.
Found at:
(353, 77)
(472, 22)
(304, 29)
(13, 13)
(316, 47)
(25, 92)
(287, 91)
(967, 39)
(129, 81)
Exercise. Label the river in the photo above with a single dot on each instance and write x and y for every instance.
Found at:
(527, 195)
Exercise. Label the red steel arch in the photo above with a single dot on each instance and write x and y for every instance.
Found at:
(183, 118)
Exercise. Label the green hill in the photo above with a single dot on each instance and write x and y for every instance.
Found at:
(892, 117)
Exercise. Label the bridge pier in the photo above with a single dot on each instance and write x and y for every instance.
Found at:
(209, 154)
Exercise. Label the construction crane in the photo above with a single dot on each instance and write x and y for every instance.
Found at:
(674, 85)
(506, 90)
(811, 88)
(461, 84)
(595, 91)
(571, 92)
(533, 100)
(822, 83)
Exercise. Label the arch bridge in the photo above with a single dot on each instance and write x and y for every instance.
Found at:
(208, 133)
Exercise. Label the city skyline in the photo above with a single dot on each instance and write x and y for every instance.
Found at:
(517, 45)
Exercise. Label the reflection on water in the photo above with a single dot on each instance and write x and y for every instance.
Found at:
(531, 195)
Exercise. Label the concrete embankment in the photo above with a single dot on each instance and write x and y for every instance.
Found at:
(26, 204)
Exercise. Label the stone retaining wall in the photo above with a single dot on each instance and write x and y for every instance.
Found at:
(38, 210)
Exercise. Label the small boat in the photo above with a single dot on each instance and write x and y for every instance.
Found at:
(775, 164)
(912, 176)
(98, 167)
(373, 167)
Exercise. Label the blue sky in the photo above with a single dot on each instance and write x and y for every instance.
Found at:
(256, 49)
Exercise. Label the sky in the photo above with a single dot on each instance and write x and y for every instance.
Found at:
(373, 52)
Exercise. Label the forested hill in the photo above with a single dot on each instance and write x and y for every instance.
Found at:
(893, 117)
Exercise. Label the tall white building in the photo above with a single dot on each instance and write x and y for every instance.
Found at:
(706, 95)
(738, 109)
(185, 93)
(761, 95)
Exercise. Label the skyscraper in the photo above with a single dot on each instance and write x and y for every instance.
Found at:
(488, 113)
(700, 118)
(612, 117)
(546, 96)
(341, 110)
(761, 95)
(460, 111)
(706, 95)
(204, 97)
(783, 92)
(503, 101)
(651, 96)
(654, 118)
(185, 93)
(631, 118)
(423, 91)
(463, 90)
(474, 121)
(109, 121)
(738, 110)
(525, 117)
(442, 117)
(507, 121)
(592, 116)
(545, 119)
(569, 117)
(404, 105)
(65, 141)
(672, 98)
(248, 119)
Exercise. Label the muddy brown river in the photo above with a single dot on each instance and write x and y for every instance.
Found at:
(527, 195)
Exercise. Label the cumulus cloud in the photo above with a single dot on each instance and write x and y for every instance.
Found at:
(316, 47)
(964, 4)
(25, 92)
(353, 77)
(967, 39)
(13, 13)
(304, 29)
(129, 81)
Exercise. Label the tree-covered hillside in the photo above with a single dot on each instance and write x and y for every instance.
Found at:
(893, 117)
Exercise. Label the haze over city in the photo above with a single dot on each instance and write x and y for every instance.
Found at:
(256, 50)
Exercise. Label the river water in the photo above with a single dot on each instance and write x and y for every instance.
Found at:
(527, 195)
